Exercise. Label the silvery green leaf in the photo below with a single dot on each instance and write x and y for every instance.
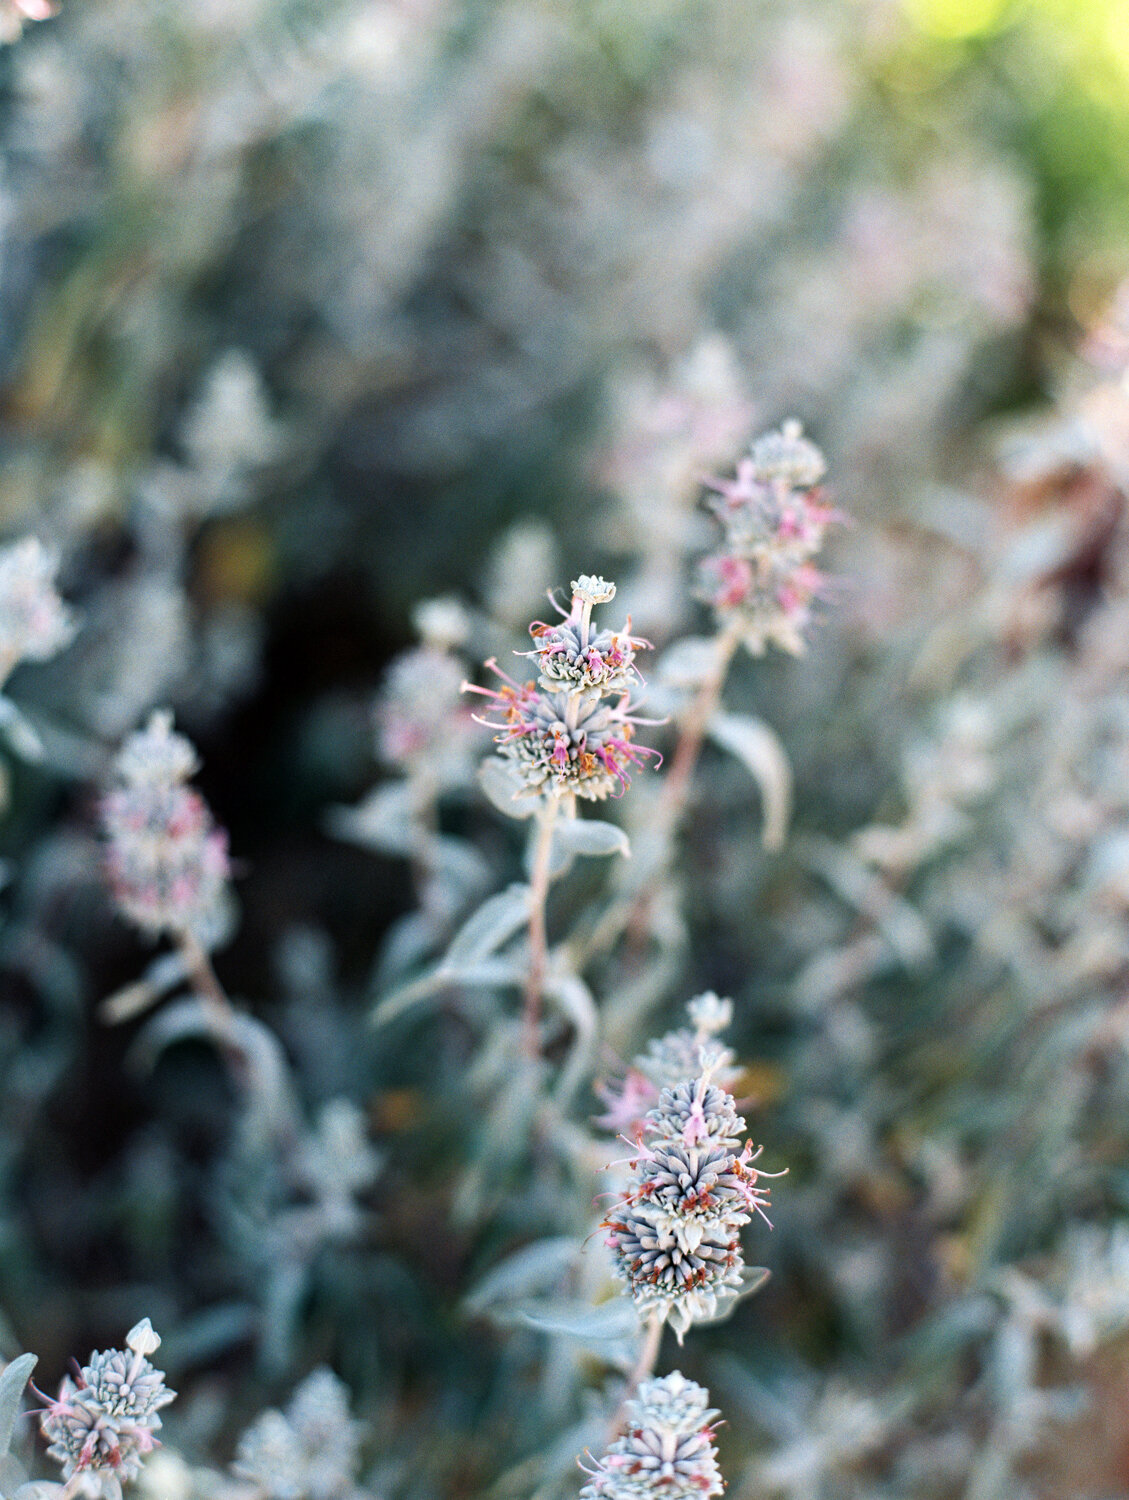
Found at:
(503, 786)
(493, 924)
(13, 1379)
(383, 821)
(575, 1000)
(591, 836)
(13, 1475)
(534, 1268)
(608, 1323)
(758, 748)
(23, 739)
(487, 974)
(459, 864)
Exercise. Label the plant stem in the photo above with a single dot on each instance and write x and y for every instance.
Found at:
(538, 941)
(204, 977)
(644, 1366)
(629, 914)
(676, 788)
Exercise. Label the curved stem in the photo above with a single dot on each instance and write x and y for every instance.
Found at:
(538, 940)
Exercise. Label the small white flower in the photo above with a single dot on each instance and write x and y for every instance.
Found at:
(592, 589)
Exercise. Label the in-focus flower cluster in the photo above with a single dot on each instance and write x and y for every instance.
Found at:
(167, 860)
(309, 1452)
(675, 1232)
(774, 515)
(572, 731)
(667, 1449)
(665, 1062)
(103, 1420)
(34, 621)
(575, 658)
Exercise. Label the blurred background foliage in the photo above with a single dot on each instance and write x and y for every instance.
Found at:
(310, 311)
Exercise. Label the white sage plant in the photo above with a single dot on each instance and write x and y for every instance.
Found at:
(570, 734)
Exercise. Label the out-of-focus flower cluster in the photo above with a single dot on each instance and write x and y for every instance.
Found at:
(34, 621)
(762, 582)
(667, 1451)
(309, 1452)
(167, 860)
(103, 1421)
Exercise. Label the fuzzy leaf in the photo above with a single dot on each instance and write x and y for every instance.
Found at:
(492, 925)
(13, 1379)
(486, 974)
(21, 735)
(759, 749)
(534, 1268)
(591, 836)
(608, 1323)
(689, 662)
(503, 786)
(384, 820)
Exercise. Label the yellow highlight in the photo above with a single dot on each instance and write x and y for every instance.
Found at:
(956, 20)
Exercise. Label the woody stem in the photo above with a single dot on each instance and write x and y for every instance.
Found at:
(538, 939)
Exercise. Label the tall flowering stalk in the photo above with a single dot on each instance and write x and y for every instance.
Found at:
(570, 734)
(761, 581)
(675, 1237)
(763, 586)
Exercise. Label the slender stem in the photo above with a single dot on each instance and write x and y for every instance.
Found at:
(644, 1366)
(204, 977)
(676, 788)
(675, 792)
(538, 940)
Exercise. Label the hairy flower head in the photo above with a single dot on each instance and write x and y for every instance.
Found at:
(667, 1451)
(103, 1421)
(166, 858)
(675, 1232)
(774, 518)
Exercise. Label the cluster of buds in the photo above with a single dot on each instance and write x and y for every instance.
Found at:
(666, 1061)
(572, 731)
(103, 1420)
(167, 860)
(309, 1452)
(34, 621)
(667, 1451)
(675, 1232)
(774, 514)
(418, 726)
